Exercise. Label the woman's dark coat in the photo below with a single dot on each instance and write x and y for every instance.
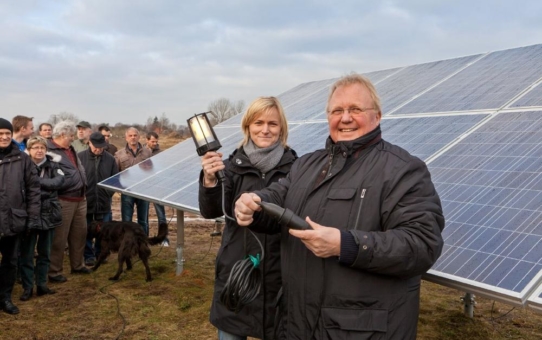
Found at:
(19, 193)
(51, 179)
(257, 318)
(97, 169)
(384, 197)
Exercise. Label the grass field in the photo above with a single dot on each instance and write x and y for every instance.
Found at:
(177, 307)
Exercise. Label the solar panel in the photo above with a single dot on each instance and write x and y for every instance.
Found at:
(535, 300)
(486, 162)
(531, 98)
(490, 185)
(414, 79)
(489, 83)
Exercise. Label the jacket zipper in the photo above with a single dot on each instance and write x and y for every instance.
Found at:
(362, 196)
(331, 161)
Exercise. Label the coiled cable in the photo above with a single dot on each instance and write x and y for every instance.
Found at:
(245, 280)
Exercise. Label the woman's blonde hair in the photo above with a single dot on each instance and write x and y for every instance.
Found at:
(36, 140)
(260, 106)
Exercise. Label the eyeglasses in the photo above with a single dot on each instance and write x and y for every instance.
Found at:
(353, 111)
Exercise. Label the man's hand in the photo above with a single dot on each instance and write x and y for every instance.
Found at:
(323, 241)
(245, 207)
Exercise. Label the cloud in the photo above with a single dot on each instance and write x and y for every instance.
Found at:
(128, 60)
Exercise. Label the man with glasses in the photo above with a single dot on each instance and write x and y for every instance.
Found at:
(71, 195)
(20, 204)
(106, 132)
(376, 222)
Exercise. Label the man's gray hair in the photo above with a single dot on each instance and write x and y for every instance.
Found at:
(131, 128)
(355, 78)
(64, 127)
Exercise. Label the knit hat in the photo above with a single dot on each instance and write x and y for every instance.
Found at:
(5, 124)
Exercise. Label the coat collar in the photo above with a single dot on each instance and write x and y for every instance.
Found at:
(351, 146)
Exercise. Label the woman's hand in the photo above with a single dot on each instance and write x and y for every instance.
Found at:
(211, 163)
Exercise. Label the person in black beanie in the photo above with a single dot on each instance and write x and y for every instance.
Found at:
(19, 209)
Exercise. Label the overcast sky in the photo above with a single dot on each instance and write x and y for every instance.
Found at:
(124, 61)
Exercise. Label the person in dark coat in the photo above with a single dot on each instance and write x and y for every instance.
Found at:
(376, 223)
(263, 158)
(51, 179)
(98, 165)
(19, 208)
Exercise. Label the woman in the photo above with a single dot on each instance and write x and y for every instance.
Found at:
(51, 178)
(262, 158)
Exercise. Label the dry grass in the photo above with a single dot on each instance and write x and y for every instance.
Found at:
(177, 307)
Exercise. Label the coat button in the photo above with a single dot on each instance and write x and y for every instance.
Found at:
(364, 236)
(344, 154)
(364, 247)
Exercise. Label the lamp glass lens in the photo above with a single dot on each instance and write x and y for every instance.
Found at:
(201, 130)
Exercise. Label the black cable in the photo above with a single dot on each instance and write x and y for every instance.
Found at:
(245, 280)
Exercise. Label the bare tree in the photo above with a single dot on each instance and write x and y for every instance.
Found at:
(239, 107)
(223, 109)
(59, 117)
(164, 122)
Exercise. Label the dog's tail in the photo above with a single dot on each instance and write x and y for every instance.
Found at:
(162, 234)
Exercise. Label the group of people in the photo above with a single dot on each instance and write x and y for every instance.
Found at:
(49, 195)
(375, 218)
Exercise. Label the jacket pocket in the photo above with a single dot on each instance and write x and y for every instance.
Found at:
(339, 206)
(51, 211)
(18, 220)
(346, 324)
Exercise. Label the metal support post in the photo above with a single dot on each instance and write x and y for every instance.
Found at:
(180, 241)
(468, 304)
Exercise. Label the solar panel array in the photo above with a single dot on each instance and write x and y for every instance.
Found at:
(475, 120)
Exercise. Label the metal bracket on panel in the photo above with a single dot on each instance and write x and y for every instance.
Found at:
(468, 304)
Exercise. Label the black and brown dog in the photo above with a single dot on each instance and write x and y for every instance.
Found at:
(127, 239)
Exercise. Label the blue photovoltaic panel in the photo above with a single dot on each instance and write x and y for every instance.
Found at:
(310, 106)
(378, 76)
(158, 176)
(487, 84)
(490, 185)
(531, 98)
(424, 136)
(413, 80)
(293, 96)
